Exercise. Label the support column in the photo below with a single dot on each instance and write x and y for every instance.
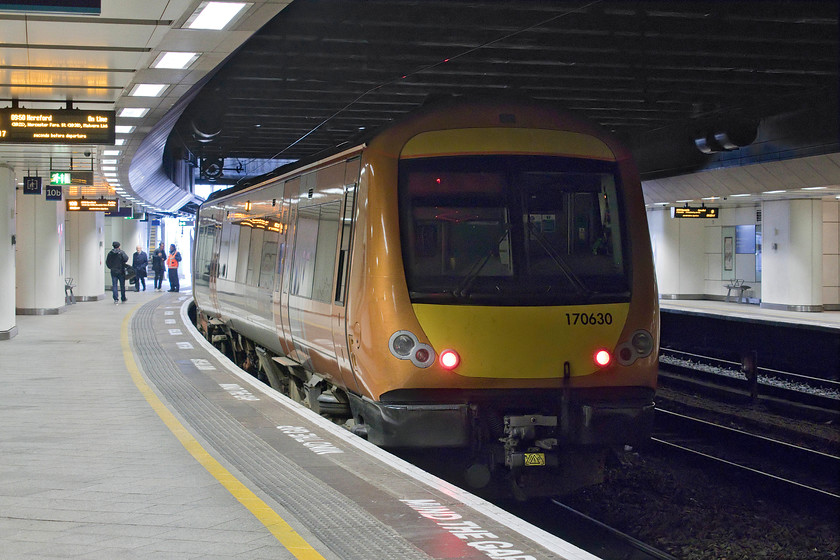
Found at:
(86, 254)
(678, 254)
(39, 258)
(8, 325)
(792, 255)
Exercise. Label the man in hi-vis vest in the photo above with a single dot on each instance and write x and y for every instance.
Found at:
(172, 264)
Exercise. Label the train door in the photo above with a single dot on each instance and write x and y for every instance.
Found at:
(214, 262)
(342, 276)
(284, 329)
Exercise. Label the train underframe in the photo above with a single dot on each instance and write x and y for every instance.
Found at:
(529, 442)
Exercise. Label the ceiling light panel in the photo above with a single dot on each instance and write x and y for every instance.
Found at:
(133, 112)
(148, 90)
(215, 15)
(175, 60)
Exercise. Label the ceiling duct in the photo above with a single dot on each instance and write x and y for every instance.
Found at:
(727, 138)
(206, 128)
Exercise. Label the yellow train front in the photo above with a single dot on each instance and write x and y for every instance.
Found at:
(492, 292)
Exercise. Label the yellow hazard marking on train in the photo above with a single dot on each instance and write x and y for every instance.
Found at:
(535, 459)
(281, 530)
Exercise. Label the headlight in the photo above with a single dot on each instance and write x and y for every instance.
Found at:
(401, 345)
(642, 343)
(639, 346)
(404, 345)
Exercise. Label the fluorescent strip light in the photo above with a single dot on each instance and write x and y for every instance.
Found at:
(738, 195)
(215, 15)
(121, 141)
(148, 90)
(689, 200)
(814, 188)
(109, 161)
(109, 168)
(122, 129)
(774, 192)
(133, 112)
(175, 60)
(111, 152)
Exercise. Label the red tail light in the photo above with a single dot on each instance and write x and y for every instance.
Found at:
(449, 359)
(603, 358)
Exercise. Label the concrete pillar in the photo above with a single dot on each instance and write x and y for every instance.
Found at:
(8, 325)
(39, 256)
(792, 255)
(85, 254)
(679, 255)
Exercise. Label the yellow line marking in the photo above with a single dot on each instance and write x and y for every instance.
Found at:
(284, 533)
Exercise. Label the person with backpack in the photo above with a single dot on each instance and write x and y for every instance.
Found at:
(115, 261)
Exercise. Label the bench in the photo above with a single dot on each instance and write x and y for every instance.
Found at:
(740, 287)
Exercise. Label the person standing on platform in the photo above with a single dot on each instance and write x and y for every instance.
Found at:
(116, 261)
(172, 264)
(140, 260)
(159, 265)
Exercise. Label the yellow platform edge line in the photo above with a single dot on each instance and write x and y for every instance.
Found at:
(281, 530)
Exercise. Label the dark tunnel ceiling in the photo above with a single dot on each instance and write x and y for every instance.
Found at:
(322, 70)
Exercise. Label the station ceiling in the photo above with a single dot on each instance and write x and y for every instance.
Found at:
(659, 74)
(289, 79)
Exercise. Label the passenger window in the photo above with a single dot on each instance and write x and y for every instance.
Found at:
(325, 252)
(315, 248)
(344, 252)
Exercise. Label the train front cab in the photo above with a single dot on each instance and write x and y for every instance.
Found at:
(529, 259)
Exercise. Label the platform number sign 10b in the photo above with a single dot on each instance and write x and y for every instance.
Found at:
(53, 192)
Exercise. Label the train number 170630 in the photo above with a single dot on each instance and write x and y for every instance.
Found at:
(589, 318)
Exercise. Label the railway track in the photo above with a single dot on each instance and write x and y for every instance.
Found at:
(809, 474)
(812, 397)
(585, 532)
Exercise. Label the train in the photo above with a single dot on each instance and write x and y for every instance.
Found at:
(475, 278)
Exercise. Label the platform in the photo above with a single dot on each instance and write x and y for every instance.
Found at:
(125, 435)
(751, 312)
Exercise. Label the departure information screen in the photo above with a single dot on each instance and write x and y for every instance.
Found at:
(61, 126)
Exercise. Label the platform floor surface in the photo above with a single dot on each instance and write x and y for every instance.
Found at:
(753, 312)
(122, 437)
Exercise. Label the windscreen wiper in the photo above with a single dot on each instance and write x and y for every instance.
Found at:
(463, 287)
(558, 260)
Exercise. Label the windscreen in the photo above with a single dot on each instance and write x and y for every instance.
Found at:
(512, 230)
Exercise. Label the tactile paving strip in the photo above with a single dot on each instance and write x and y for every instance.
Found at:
(349, 531)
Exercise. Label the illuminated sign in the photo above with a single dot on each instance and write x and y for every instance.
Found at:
(91, 205)
(71, 178)
(690, 212)
(60, 126)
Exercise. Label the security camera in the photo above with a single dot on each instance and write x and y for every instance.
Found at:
(87, 153)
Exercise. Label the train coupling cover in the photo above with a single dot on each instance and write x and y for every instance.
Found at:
(530, 441)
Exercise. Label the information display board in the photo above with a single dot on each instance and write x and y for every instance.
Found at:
(692, 212)
(56, 126)
(92, 204)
